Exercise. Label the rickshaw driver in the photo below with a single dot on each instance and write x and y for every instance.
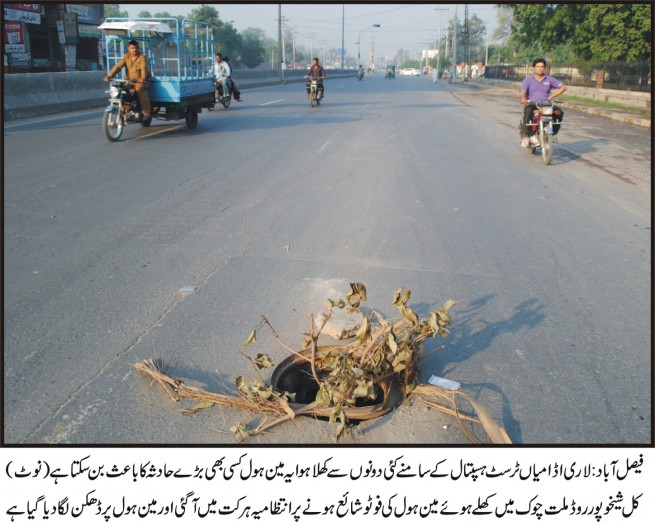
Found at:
(316, 71)
(137, 69)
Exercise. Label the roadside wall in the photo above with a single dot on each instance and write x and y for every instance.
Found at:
(640, 100)
(37, 94)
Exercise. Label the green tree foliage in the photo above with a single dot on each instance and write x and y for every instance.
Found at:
(477, 37)
(227, 40)
(605, 32)
(252, 51)
(113, 11)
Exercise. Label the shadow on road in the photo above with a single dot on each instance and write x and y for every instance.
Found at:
(472, 335)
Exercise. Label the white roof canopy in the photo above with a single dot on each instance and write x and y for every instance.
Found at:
(137, 25)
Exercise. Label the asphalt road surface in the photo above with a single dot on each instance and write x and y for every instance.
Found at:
(271, 206)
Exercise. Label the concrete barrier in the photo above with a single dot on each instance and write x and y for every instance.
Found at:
(37, 94)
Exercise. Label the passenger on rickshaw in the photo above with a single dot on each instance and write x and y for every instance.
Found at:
(136, 65)
(234, 88)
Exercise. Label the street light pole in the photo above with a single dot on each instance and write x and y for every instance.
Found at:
(359, 40)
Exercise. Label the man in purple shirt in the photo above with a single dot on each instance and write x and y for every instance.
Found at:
(536, 88)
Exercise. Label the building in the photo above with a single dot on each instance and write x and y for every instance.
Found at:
(52, 37)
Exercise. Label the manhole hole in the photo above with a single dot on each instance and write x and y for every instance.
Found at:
(294, 375)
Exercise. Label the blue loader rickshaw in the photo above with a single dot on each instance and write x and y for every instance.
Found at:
(179, 54)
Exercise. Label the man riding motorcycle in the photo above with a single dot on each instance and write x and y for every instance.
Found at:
(136, 66)
(537, 88)
(222, 72)
(316, 71)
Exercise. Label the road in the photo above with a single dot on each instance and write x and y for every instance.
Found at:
(272, 206)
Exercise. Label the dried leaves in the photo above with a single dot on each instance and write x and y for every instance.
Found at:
(381, 353)
(380, 350)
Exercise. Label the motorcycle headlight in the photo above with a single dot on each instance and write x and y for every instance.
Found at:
(547, 111)
(113, 91)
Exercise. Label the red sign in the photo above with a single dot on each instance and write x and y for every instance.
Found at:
(14, 33)
(32, 8)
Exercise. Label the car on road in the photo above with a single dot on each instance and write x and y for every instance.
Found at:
(410, 72)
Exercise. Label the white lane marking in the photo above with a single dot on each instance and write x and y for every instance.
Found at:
(323, 147)
(168, 129)
(271, 102)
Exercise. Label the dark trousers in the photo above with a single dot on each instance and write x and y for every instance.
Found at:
(558, 115)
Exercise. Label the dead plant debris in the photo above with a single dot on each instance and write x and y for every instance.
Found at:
(364, 379)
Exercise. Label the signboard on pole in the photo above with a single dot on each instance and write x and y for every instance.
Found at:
(14, 37)
(28, 13)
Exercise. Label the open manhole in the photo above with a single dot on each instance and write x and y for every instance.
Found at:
(294, 375)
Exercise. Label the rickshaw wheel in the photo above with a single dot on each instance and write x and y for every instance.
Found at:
(191, 118)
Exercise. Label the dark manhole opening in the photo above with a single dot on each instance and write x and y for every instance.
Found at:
(298, 379)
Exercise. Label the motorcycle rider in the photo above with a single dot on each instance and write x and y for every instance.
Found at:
(537, 88)
(316, 71)
(222, 72)
(136, 65)
(360, 70)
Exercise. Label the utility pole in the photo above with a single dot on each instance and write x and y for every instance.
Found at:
(441, 10)
(279, 41)
(455, 42)
(343, 50)
(311, 46)
(466, 38)
(293, 45)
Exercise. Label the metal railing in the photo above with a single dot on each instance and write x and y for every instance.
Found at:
(633, 76)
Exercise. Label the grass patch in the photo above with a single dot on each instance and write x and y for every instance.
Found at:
(606, 105)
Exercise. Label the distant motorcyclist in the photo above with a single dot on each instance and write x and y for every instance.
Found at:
(360, 71)
(136, 66)
(537, 88)
(316, 71)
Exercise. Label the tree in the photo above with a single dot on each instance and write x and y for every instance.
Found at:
(252, 51)
(602, 32)
(113, 11)
(226, 38)
(477, 36)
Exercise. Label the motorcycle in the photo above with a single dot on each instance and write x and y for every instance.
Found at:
(315, 91)
(540, 129)
(360, 75)
(219, 97)
(124, 109)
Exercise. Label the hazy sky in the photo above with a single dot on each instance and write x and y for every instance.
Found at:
(406, 26)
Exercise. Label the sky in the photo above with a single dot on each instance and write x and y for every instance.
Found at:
(408, 26)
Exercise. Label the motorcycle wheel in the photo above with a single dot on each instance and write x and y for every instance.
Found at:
(226, 102)
(112, 123)
(312, 100)
(191, 118)
(546, 147)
